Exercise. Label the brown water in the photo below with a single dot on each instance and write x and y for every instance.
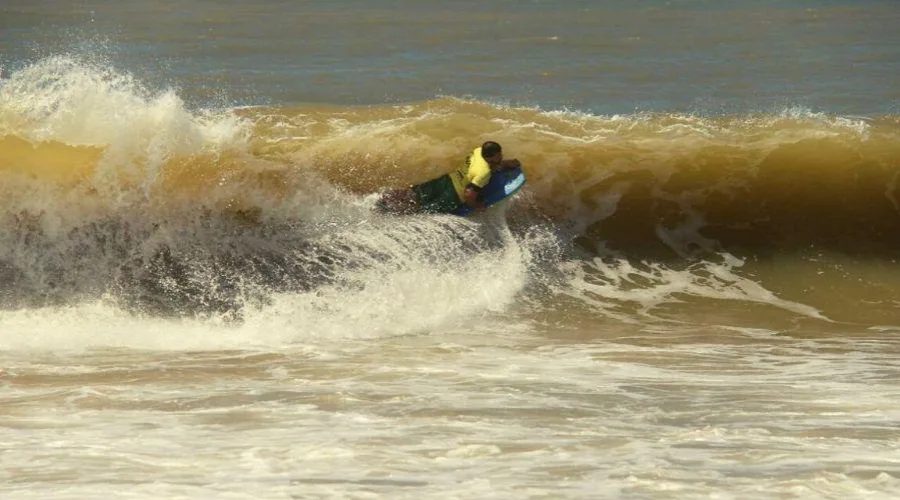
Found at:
(694, 296)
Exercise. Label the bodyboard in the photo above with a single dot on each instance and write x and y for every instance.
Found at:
(503, 184)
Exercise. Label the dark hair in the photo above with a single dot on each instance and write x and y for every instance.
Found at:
(489, 149)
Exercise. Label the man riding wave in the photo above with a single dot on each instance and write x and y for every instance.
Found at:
(444, 194)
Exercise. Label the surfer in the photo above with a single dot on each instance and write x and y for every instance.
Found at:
(443, 195)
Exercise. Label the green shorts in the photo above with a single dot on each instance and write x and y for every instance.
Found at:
(437, 196)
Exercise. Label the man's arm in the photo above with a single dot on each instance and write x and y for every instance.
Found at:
(510, 164)
(470, 196)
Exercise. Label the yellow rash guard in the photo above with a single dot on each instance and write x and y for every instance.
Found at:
(475, 171)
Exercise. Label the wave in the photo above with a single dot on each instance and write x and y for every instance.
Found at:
(656, 183)
(107, 187)
(757, 182)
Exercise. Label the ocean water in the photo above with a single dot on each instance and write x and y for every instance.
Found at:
(694, 296)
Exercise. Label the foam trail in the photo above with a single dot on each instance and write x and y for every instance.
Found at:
(606, 284)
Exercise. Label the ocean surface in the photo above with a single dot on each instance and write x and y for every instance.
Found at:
(696, 295)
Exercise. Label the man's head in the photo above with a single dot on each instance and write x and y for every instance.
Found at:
(492, 153)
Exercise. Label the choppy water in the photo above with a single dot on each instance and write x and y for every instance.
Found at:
(695, 296)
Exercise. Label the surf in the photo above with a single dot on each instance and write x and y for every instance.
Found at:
(113, 191)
